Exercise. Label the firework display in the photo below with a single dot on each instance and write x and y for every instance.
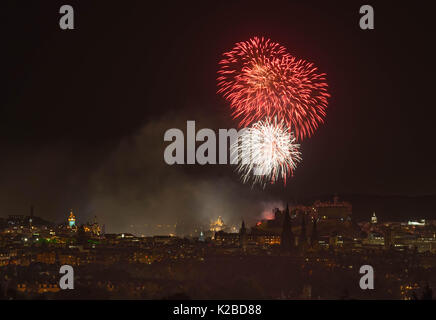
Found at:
(262, 80)
(267, 151)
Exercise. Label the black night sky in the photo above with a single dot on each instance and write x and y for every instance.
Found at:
(83, 112)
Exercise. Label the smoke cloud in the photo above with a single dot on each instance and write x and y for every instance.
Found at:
(134, 187)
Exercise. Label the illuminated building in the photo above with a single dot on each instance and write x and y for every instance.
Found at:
(374, 218)
(201, 238)
(46, 257)
(336, 210)
(262, 237)
(93, 228)
(416, 222)
(17, 220)
(48, 287)
(374, 239)
(72, 220)
(217, 225)
(227, 238)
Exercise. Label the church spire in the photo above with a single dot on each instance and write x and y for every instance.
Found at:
(243, 236)
(314, 237)
(287, 240)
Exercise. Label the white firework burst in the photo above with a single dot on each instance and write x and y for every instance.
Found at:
(266, 152)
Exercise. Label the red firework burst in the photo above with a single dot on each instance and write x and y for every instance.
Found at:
(261, 80)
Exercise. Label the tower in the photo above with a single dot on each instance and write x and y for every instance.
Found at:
(72, 219)
(314, 237)
(95, 227)
(374, 218)
(243, 236)
(31, 217)
(287, 240)
(201, 237)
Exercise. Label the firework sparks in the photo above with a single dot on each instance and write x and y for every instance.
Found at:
(266, 151)
(261, 80)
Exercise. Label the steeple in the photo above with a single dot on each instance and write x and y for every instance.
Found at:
(243, 230)
(201, 238)
(287, 241)
(374, 218)
(314, 236)
(243, 236)
(31, 216)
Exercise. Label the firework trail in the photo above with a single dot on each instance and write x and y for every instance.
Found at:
(266, 151)
(261, 80)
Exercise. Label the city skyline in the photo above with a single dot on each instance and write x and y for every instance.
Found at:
(203, 225)
(302, 243)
